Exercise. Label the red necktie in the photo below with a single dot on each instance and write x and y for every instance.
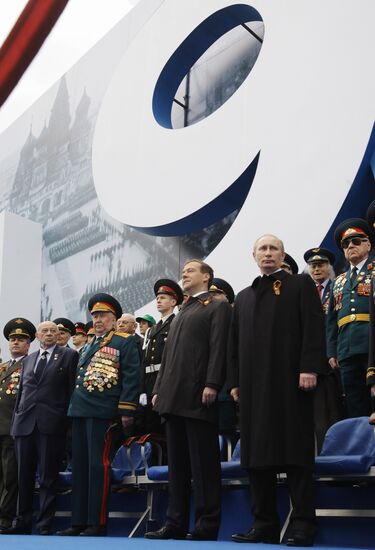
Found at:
(320, 288)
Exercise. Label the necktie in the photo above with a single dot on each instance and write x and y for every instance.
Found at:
(41, 365)
(319, 288)
(11, 363)
(353, 276)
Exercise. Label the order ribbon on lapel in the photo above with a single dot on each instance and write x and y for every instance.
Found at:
(277, 287)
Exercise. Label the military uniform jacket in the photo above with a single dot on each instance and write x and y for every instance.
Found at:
(277, 333)
(9, 384)
(154, 352)
(345, 303)
(194, 357)
(107, 383)
(371, 356)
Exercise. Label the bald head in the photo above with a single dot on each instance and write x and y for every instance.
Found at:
(47, 334)
(268, 253)
(127, 323)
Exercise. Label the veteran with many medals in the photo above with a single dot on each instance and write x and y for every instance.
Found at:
(107, 387)
(20, 332)
(348, 315)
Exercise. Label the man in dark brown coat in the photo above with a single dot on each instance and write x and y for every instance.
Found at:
(278, 350)
(191, 374)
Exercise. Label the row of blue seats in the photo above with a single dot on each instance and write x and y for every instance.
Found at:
(349, 449)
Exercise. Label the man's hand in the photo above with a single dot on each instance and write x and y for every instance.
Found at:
(143, 399)
(154, 398)
(208, 396)
(372, 419)
(307, 381)
(373, 389)
(235, 393)
(334, 364)
(127, 421)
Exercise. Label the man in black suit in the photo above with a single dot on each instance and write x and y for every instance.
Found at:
(39, 426)
(278, 349)
(191, 374)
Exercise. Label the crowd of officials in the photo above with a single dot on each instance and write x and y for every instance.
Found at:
(279, 364)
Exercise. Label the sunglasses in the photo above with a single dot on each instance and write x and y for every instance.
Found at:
(354, 240)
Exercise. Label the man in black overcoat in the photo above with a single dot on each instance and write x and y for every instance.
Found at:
(191, 374)
(278, 348)
(39, 427)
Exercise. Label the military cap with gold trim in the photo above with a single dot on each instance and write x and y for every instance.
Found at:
(104, 302)
(315, 255)
(222, 286)
(291, 263)
(19, 327)
(65, 325)
(169, 287)
(353, 227)
(89, 328)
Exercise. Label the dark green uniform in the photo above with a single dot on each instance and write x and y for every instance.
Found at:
(9, 384)
(348, 335)
(107, 386)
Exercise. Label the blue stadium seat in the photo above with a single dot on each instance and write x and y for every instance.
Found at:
(131, 460)
(232, 468)
(349, 448)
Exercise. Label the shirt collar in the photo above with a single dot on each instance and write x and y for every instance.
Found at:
(48, 350)
(359, 266)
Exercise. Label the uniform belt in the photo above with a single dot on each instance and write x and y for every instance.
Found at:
(153, 368)
(353, 317)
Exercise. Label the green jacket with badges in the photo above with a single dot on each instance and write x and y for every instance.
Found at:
(107, 383)
(9, 384)
(348, 314)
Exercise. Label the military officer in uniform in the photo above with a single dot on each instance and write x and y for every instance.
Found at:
(328, 393)
(20, 332)
(221, 290)
(107, 388)
(348, 315)
(168, 295)
(79, 336)
(66, 330)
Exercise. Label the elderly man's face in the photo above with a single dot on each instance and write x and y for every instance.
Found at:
(47, 334)
(356, 253)
(268, 254)
(103, 322)
(319, 271)
(126, 324)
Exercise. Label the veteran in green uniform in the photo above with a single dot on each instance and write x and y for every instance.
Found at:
(107, 388)
(348, 315)
(20, 332)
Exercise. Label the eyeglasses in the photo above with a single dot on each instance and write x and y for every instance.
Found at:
(354, 240)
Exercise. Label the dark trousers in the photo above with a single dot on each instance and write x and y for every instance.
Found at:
(91, 468)
(357, 394)
(328, 405)
(263, 492)
(8, 480)
(193, 452)
(42, 453)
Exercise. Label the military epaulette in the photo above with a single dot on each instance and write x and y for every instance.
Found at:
(370, 372)
(206, 301)
(123, 334)
(127, 406)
